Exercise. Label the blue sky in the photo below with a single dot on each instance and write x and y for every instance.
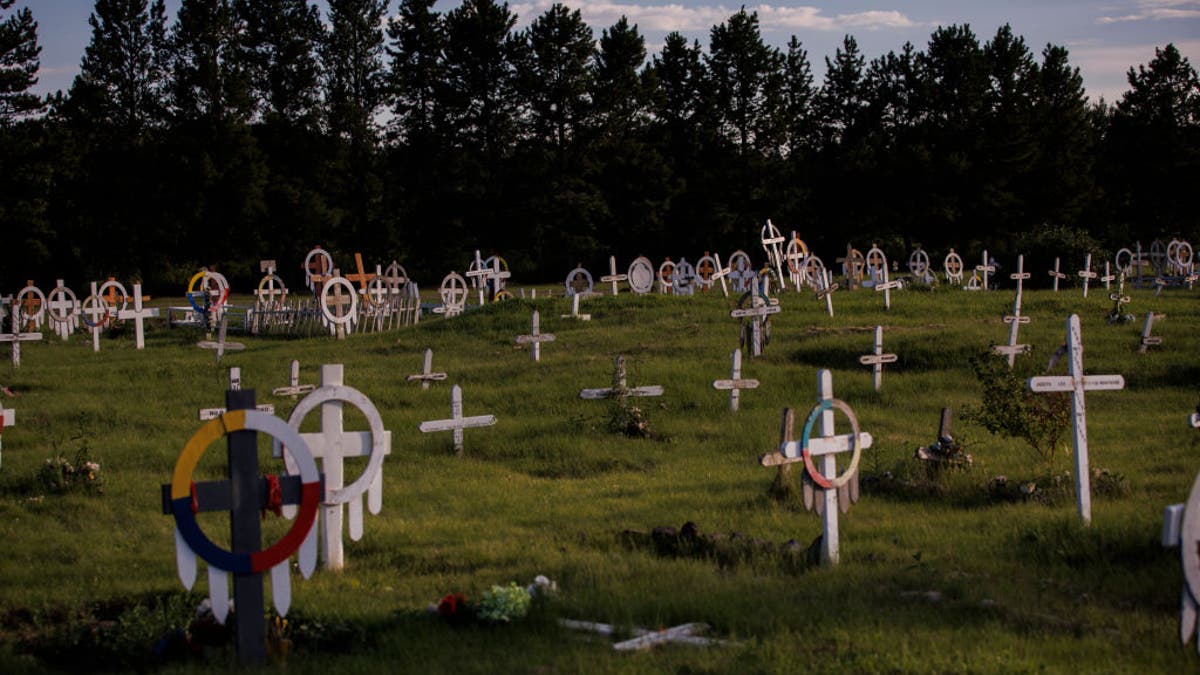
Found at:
(1104, 37)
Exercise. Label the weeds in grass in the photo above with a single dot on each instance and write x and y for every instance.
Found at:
(60, 474)
(1010, 410)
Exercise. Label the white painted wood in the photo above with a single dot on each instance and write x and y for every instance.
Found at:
(741, 272)
(1181, 527)
(1108, 277)
(680, 634)
(427, 375)
(757, 309)
(294, 388)
(735, 383)
(62, 310)
(953, 266)
(1057, 275)
(1077, 383)
(1086, 273)
(8, 417)
(185, 561)
(218, 593)
(1194, 420)
(457, 423)
(675, 634)
(476, 273)
(986, 268)
(721, 274)
(339, 304)
(317, 263)
(578, 282)
(772, 243)
(877, 358)
(1149, 340)
(15, 338)
(333, 445)
(575, 297)
(453, 292)
(1015, 319)
(612, 277)
(139, 314)
(30, 305)
(826, 290)
(683, 278)
(281, 587)
(620, 386)
(206, 414)
(535, 337)
(220, 345)
(641, 275)
(883, 285)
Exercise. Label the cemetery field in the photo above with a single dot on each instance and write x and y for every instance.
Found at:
(939, 571)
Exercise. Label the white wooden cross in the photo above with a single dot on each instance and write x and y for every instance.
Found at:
(619, 387)
(453, 292)
(62, 308)
(826, 444)
(536, 337)
(16, 337)
(235, 384)
(612, 277)
(575, 309)
(339, 307)
(644, 639)
(138, 314)
(427, 375)
(720, 275)
(877, 358)
(952, 265)
(1147, 338)
(757, 310)
(220, 345)
(1108, 277)
(294, 387)
(735, 383)
(477, 274)
(1015, 319)
(456, 421)
(1056, 275)
(886, 286)
(8, 418)
(772, 241)
(96, 313)
(826, 290)
(986, 268)
(1181, 527)
(1086, 273)
(332, 445)
(1077, 383)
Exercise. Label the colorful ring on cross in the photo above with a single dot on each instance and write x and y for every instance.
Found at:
(502, 295)
(856, 446)
(181, 492)
(97, 300)
(193, 295)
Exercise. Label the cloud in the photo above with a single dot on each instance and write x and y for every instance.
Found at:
(1157, 10)
(1105, 67)
(677, 17)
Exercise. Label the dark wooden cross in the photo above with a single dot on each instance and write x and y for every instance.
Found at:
(363, 277)
(245, 494)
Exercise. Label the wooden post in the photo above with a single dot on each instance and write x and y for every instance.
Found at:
(612, 277)
(1077, 383)
(1056, 275)
(457, 423)
(886, 286)
(619, 386)
(986, 268)
(877, 359)
(826, 290)
(427, 375)
(1086, 273)
(735, 383)
(536, 337)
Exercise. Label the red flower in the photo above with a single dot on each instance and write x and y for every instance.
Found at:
(451, 604)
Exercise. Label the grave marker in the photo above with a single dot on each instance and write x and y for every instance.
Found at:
(139, 314)
(1148, 339)
(62, 308)
(332, 445)
(477, 273)
(877, 358)
(362, 277)
(641, 275)
(453, 292)
(1015, 319)
(536, 337)
(666, 271)
(877, 265)
(683, 278)
(772, 241)
(294, 388)
(16, 337)
(1056, 275)
(8, 418)
(575, 309)
(115, 296)
(1077, 383)
(839, 490)
(31, 307)
(735, 383)
(953, 267)
(918, 266)
(612, 277)
(427, 375)
(826, 290)
(619, 388)
(886, 286)
(317, 265)
(988, 267)
(457, 423)
(1119, 299)
(741, 272)
(339, 304)
(245, 494)
(1108, 277)
(1181, 527)
(95, 313)
(220, 345)
(756, 333)
(721, 274)
(579, 282)
(796, 256)
(235, 384)
(1086, 273)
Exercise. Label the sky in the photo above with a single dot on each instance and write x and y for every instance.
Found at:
(1104, 37)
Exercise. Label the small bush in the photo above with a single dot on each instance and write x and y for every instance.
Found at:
(1010, 410)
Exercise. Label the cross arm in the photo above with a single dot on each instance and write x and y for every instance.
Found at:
(217, 495)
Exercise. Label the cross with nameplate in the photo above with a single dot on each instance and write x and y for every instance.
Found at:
(457, 423)
(885, 286)
(1015, 319)
(1086, 273)
(827, 287)
(332, 445)
(877, 359)
(612, 277)
(575, 309)
(754, 307)
(838, 490)
(477, 273)
(619, 388)
(986, 268)
(1108, 277)
(294, 387)
(1148, 339)
(427, 375)
(536, 337)
(235, 384)
(1076, 383)
(735, 383)
(1056, 275)
(16, 337)
(139, 314)
(1119, 299)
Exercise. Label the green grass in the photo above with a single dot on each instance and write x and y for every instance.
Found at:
(549, 490)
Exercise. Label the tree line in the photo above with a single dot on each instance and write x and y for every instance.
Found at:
(239, 130)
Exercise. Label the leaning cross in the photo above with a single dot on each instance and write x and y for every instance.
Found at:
(1147, 338)
(771, 241)
(246, 494)
(839, 489)
(887, 286)
(1058, 276)
(427, 375)
(294, 387)
(536, 337)
(1086, 273)
(1077, 383)
(362, 277)
(720, 275)
(138, 314)
(16, 337)
(826, 290)
(612, 277)
(457, 423)
(735, 383)
(332, 445)
(619, 388)
(877, 358)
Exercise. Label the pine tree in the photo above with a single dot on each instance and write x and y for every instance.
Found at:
(480, 88)
(352, 55)
(19, 63)
(619, 90)
(556, 78)
(745, 73)
(278, 51)
(842, 99)
(416, 39)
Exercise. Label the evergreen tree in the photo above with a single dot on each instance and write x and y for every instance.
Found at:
(352, 54)
(1009, 147)
(19, 63)
(416, 39)
(680, 80)
(842, 99)
(619, 90)
(480, 95)
(278, 51)
(745, 79)
(1063, 183)
(556, 78)
(800, 95)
